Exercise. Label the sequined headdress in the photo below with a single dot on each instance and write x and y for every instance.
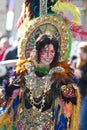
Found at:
(40, 16)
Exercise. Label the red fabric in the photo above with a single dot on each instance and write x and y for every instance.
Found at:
(2, 52)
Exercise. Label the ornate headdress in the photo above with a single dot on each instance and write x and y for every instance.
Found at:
(41, 16)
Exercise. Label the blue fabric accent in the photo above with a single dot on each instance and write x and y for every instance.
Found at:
(16, 102)
(62, 124)
(15, 113)
(35, 7)
(15, 107)
(56, 113)
(2, 109)
(75, 80)
(9, 110)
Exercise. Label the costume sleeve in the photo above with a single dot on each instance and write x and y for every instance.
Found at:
(67, 107)
(10, 102)
(9, 113)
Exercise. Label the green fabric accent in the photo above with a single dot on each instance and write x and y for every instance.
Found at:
(69, 44)
(14, 128)
(54, 94)
(43, 70)
(53, 105)
(4, 127)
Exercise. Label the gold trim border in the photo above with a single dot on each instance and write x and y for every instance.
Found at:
(32, 25)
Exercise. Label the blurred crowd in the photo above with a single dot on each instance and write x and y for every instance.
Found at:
(8, 51)
(79, 65)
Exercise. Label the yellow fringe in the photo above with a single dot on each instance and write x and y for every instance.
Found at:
(76, 113)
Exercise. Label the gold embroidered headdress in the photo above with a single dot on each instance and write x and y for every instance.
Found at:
(31, 26)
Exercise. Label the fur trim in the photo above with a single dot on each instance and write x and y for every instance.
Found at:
(63, 76)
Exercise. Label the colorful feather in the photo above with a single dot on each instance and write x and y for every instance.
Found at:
(76, 30)
(65, 7)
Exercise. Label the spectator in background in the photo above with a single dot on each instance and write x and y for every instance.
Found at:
(5, 42)
(2, 51)
(11, 53)
(4, 45)
(81, 74)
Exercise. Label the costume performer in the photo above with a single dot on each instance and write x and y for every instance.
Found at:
(42, 93)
